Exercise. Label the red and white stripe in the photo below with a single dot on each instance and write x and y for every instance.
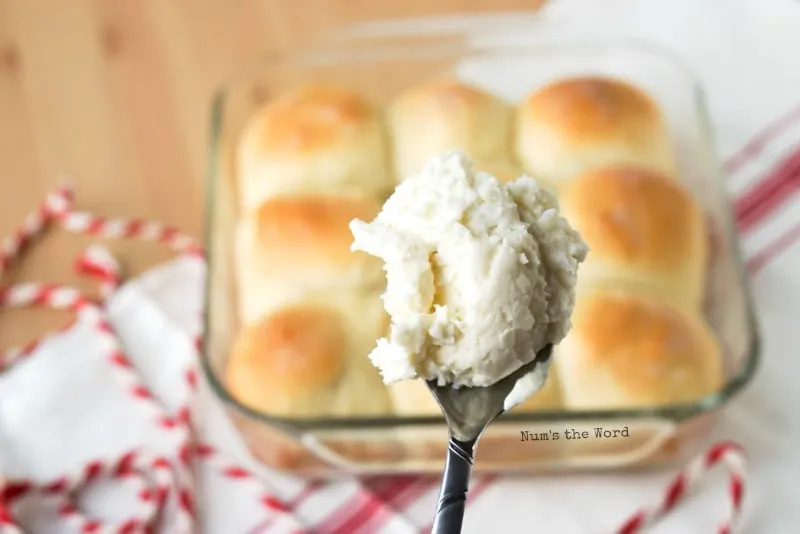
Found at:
(12, 247)
(728, 453)
(98, 263)
(380, 499)
(751, 173)
(67, 298)
(150, 479)
(767, 189)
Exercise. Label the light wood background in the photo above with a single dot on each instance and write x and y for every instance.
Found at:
(117, 95)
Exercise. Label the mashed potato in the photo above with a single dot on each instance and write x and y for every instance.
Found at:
(480, 275)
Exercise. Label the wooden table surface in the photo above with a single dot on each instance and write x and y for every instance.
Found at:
(117, 94)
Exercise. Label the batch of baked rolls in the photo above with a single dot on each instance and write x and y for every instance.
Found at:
(314, 158)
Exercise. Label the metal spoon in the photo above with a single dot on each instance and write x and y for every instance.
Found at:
(468, 412)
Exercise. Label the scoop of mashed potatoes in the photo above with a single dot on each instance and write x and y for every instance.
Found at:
(480, 274)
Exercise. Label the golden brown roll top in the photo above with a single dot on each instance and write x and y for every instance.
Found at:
(316, 158)
(448, 115)
(628, 350)
(293, 246)
(315, 139)
(289, 363)
(576, 124)
(306, 361)
(642, 228)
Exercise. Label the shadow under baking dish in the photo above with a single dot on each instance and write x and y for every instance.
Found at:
(382, 67)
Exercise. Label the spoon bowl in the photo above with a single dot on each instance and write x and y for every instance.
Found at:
(468, 412)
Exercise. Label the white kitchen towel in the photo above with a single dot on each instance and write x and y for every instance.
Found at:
(62, 407)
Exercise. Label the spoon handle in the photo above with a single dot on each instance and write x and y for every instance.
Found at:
(455, 483)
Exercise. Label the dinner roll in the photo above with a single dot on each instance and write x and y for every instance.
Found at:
(630, 350)
(412, 397)
(289, 363)
(307, 360)
(447, 115)
(642, 228)
(315, 139)
(290, 246)
(576, 124)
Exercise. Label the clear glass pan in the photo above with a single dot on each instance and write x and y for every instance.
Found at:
(381, 68)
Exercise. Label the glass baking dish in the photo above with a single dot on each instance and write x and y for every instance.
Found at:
(382, 67)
